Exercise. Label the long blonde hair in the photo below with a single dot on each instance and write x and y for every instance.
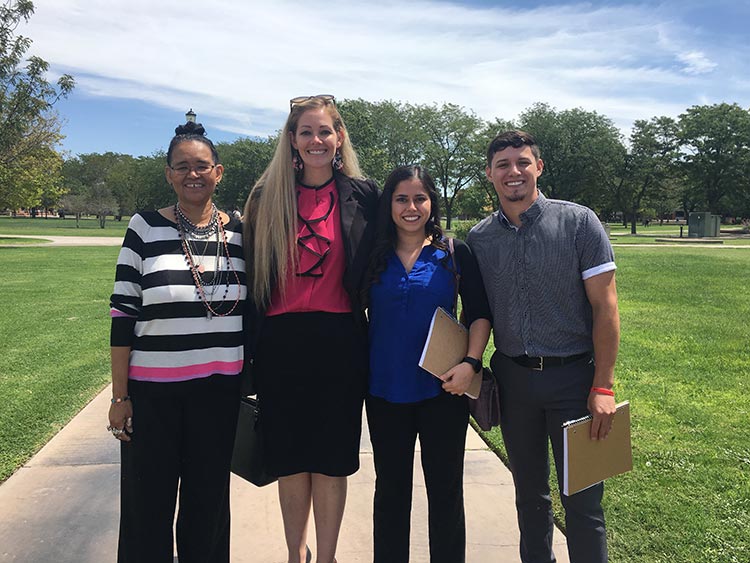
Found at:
(271, 209)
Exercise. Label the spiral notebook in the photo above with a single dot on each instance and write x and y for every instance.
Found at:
(446, 345)
(588, 462)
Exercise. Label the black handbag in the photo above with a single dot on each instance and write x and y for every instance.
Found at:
(247, 457)
(486, 408)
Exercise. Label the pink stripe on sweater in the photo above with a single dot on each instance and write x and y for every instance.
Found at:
(184, 373)
(118, 313)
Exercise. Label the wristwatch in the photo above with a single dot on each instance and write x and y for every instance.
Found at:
(473, 362)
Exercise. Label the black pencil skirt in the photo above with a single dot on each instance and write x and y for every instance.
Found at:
(311, 374)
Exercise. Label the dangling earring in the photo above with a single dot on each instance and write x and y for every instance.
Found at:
(337, 162)
(297, 162)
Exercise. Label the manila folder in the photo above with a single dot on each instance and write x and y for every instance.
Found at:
(587, 462)
(446, 345)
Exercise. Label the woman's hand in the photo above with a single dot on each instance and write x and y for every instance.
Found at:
(121, 410)
(458, 379)
(121, 420)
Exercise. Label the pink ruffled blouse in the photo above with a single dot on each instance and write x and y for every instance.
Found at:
(317, 282)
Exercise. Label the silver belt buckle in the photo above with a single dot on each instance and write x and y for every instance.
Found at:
(541, 364)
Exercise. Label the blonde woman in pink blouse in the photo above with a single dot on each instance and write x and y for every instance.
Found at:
(309, 229)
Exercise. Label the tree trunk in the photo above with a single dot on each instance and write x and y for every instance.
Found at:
(102, 221)
(448, 213)
(633, 221)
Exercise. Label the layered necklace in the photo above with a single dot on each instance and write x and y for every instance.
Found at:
(207, 283)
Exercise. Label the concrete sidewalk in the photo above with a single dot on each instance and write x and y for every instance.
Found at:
(62, 506)
(64, 241)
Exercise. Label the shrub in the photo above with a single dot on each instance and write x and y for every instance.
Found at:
(461, 228)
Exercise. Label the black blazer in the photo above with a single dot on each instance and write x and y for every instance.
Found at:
(358, 201)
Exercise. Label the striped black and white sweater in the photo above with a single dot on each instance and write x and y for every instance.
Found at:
(157, 311)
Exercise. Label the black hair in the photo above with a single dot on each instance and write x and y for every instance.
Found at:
(385, 239)
(191, 132)
(514, 138)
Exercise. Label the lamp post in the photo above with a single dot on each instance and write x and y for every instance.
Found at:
(190, 116)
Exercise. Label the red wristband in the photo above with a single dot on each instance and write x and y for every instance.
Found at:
(603, 391)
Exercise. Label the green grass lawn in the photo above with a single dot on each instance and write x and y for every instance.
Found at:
(651, 240)
(645, 235)
(648, 235)
(660, 240)
(54, 342)
(17, 240)
(684, 364)
(54, 226)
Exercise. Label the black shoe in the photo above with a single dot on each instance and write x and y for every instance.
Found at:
(308, 559)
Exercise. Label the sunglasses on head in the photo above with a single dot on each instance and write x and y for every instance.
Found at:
(302, 99)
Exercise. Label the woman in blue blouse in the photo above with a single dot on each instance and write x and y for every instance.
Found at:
(411, 274)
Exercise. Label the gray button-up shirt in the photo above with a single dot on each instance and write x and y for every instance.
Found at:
(534, 276)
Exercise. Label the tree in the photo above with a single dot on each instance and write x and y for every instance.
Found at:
(667, 200)
(151, 190)
(244, 161)
(89, 177)
(28, 126)
(716, 142)
(581, 151)
(449, 137)
(101, 202)
(75, 204)
(31, 179)
(647, 167)
(383, 136)
(474, 201)
(120, 179)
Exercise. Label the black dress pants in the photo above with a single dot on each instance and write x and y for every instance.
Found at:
(533, 407)
(441, 425)
(183, 434)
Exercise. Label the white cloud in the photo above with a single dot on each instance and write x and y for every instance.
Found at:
(240, 61)
(696, 62)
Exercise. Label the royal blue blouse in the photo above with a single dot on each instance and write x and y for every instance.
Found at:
(400, 312)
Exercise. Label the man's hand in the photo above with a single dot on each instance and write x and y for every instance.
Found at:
(602, 409)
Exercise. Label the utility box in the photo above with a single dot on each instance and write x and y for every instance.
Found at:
(715, 227)
(703, 224)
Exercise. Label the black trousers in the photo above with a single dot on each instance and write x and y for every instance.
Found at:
(183, 434)
(533, 406)
(441, 426)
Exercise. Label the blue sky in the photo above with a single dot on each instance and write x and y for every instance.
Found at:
(140, 65)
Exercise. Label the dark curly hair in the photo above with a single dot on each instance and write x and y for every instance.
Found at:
(386, 236)
(191, 132)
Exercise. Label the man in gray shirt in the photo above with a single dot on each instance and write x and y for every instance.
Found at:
(549, 272)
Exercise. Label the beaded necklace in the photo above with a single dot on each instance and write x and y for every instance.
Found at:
(193, 229)
(206, 289)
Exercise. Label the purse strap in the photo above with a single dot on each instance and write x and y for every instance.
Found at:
(456, 276)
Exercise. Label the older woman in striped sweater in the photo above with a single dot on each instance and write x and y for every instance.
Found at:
(177, 350)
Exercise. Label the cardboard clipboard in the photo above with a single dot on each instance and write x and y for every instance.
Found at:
(446, 345)
(587, 462)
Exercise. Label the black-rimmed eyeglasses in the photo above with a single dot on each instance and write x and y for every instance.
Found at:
(302, 99)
